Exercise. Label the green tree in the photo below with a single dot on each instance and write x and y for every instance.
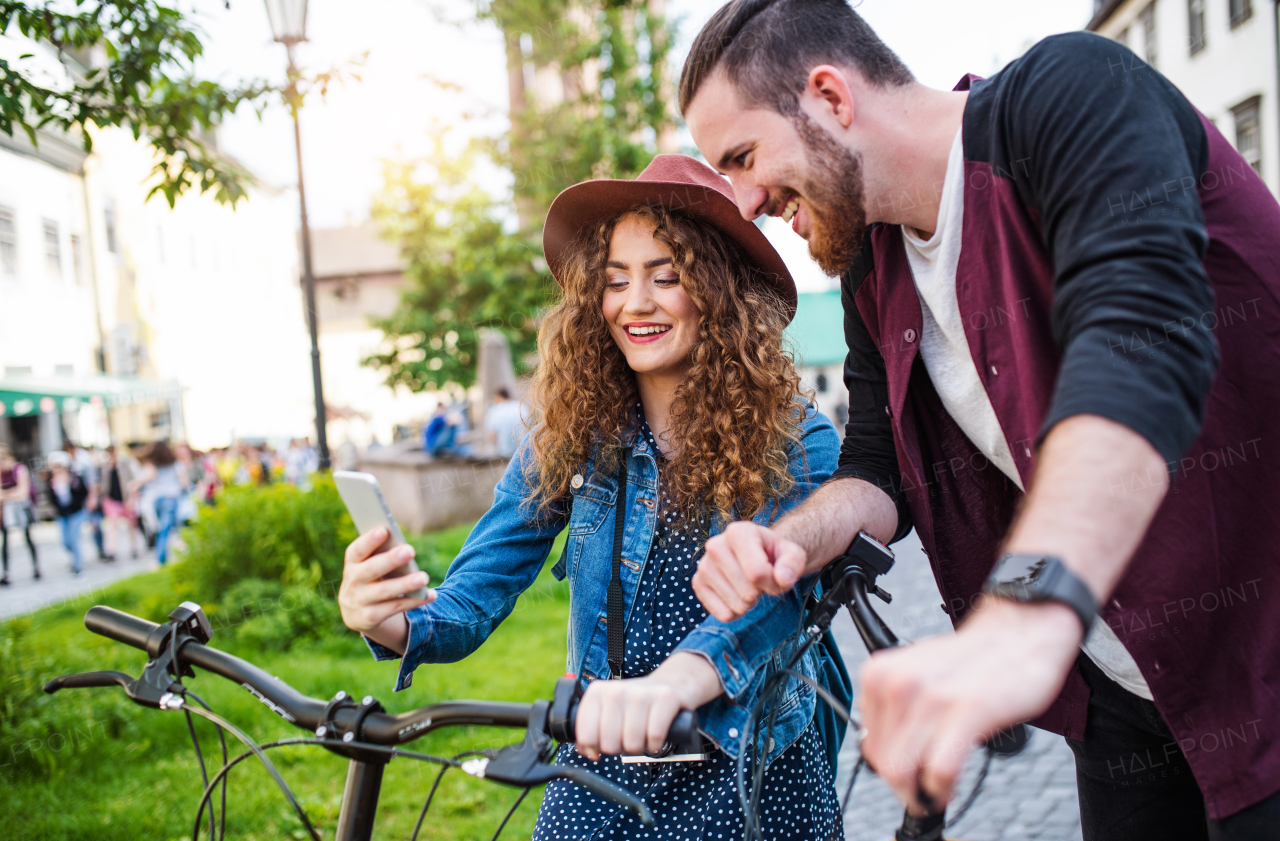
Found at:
(147, 84)
(466, 272)
(475, 259)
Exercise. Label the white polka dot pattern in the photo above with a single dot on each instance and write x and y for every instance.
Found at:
(697, 800)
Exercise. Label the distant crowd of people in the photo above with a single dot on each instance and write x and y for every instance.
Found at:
(137, 495)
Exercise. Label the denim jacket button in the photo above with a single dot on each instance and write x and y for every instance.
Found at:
(576, 481)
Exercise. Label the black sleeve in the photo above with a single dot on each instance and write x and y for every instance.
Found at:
(1112, 156)
(867, 451)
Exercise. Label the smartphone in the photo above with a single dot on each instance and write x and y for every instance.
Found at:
(369, 509)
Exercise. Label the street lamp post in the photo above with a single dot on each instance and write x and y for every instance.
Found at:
(289, 27)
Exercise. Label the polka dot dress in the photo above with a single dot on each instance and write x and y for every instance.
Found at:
(689, 800)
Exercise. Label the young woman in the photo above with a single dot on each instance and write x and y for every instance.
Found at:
(69, 493)
(118, 507)
(163, 482)
(663, 363)
(15, 509)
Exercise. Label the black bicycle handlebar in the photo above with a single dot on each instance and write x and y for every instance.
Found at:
(309, 713)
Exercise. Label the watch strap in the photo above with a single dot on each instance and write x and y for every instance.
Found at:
(1053, 583)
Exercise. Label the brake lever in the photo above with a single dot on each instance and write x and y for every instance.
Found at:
(525, 764)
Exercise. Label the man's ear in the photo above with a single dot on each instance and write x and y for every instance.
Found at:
(828, 92)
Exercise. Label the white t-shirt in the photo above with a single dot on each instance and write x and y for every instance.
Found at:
(945, 351)
(505, 420)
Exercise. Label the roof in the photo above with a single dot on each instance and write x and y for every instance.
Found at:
(1102, 10)
(817, 331)
(352, 251)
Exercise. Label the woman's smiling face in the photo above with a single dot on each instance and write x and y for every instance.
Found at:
(651, 317)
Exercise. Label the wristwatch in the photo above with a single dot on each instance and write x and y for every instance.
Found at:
(1042, 578)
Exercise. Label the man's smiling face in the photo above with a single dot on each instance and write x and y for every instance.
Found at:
(791, 168)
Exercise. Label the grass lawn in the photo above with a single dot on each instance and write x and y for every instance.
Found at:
(89, 764)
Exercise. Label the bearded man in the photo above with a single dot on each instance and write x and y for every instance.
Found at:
(1061, 292)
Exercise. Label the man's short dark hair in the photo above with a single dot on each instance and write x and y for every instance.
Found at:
(768, 47)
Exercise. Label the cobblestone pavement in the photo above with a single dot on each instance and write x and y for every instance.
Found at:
(1032, 796)
(57, 584)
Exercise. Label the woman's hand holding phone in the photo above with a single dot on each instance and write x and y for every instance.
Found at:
(371, 605)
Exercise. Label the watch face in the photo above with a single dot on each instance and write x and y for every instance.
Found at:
(1023, 570)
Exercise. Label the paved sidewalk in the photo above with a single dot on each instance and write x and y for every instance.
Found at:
(1032, 796)
(56, 583)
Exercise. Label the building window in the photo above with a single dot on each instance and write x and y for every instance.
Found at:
(109, 220)
(1148, 20)
(52, 251)
(1249, 132)
(820, 383)
(1241, 10)
(1195, 19)
(77, 260)
(8, 244)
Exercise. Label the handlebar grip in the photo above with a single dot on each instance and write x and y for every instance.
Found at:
(119, 626)
(684, 730)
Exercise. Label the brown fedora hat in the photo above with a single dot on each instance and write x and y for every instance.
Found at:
(676, 182)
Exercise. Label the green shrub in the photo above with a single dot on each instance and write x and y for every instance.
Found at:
(279, 618)
(277, 533)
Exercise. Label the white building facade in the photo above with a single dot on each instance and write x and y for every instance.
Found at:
(122, 319)
(1224, 55)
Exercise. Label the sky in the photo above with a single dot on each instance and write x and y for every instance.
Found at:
(411, 46)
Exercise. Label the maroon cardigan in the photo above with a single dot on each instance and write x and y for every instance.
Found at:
(1199, 606)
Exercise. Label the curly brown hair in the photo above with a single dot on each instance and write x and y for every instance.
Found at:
(735, 415)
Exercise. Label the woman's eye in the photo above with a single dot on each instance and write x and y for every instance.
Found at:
(667, 281)
(616, 283)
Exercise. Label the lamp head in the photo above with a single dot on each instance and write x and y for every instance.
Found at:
(288, 20)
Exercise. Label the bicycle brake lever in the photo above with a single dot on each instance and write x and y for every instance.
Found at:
(523, 765)
(85, 680)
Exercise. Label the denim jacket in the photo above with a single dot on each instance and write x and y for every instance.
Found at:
(507, 548)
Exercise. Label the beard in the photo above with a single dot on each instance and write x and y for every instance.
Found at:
(834, 192)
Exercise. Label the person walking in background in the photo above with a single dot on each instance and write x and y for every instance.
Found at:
(117, 507)
(15, 502)
(503, 423)
(165, 481)
(192, 462)
(84, 465)
(70, 495)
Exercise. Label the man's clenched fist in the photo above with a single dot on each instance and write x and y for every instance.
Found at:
(743, 562)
